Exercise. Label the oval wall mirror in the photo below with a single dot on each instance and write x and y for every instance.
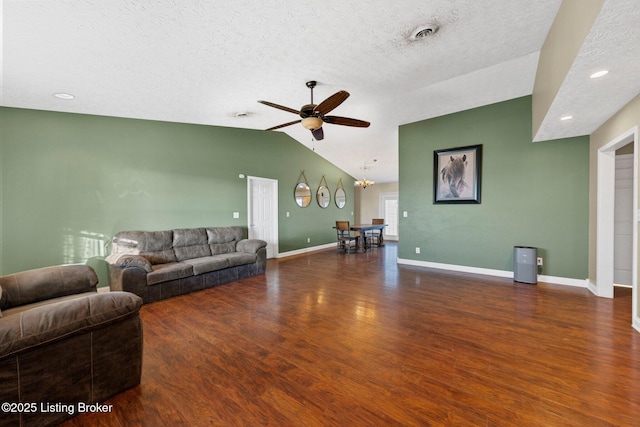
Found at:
(323, 195)
(340, 196)
(302, 192)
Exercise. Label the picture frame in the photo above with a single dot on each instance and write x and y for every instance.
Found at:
(457, 174)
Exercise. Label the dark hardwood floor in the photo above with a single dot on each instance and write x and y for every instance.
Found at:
(330, 339)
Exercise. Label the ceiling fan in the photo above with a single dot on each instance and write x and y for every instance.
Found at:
(314, 115)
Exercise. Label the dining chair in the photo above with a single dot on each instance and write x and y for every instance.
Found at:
(374, 236)
(347, 240)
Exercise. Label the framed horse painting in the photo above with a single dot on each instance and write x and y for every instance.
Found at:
(457, 175)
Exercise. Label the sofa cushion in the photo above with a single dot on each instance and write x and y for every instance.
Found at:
(190, 243)
(45, 283)
(241, 258)
(222, 240)
(0, 300)
(171, 271)
(209, 263)
(156, 246)
(160, 257)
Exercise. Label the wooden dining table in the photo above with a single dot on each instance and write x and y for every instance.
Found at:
(363, 228)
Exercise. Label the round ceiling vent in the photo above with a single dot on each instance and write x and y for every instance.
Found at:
(424, 31)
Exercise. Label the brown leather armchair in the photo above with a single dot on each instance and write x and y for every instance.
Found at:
(62, 342)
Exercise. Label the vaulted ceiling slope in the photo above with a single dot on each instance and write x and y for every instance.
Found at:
(208, 62)
(610, 41)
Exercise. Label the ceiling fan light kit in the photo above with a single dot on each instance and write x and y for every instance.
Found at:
(313, 116)
(312, 123)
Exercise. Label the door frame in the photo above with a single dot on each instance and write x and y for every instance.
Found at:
(274, 216)
(605, 219)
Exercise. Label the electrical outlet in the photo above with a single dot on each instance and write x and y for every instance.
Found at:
(417, 250)
(540, 261)
(308, 239)
(288, 214)
(405, 214)
(236, 215)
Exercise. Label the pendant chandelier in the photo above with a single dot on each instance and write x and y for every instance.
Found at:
(364, 182)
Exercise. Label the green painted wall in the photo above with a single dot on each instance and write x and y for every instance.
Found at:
(532, 194)
(70, 182)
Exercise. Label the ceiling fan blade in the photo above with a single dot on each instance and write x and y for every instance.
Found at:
(279, 107)
(346, 121)
(318, 134)
(332, 102)
(284, 124)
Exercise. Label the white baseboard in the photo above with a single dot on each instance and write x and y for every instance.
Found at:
(604, 293)
(636, 324)
(306, 250)
(567, 281)
(454, 267)
(581, 283)
(598, 292)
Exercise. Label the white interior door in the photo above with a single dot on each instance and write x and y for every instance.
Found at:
(389, 211)
(623, 221)
(263, 212)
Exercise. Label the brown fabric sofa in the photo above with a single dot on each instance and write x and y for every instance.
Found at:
(160, 264)
(62, 342)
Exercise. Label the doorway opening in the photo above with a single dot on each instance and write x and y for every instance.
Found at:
(623, 221)
(605, 234)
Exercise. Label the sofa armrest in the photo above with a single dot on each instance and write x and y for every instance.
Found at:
(56, 321)
(132, 280)
(129, 260)
(250, 246)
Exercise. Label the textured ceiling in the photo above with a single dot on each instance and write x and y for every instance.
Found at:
(613, 44)
(205, 61)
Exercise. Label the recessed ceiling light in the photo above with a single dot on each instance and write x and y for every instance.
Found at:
(599, 74)
(566, 118)
(66, 96)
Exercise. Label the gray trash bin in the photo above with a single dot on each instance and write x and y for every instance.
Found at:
(525, 264)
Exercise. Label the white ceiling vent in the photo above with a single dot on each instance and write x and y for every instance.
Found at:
(423, 31)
